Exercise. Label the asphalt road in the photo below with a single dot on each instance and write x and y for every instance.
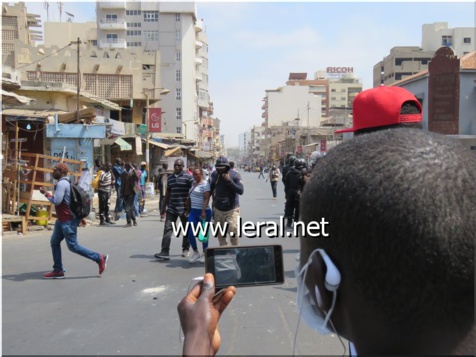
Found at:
(131, 309)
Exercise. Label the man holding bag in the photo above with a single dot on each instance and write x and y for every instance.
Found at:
(178, 186)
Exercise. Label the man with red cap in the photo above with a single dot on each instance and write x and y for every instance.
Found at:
(66, 225)
(384, 108)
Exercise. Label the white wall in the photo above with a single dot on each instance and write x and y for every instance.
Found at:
(284, 105)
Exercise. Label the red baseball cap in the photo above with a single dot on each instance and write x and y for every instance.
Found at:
(381, 106)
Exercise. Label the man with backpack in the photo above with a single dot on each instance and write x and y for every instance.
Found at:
(66, 225)
(225, 188)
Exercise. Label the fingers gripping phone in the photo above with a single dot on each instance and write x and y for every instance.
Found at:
(253, 265)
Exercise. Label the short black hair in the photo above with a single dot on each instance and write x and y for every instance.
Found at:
(402, 224)
(232, 164)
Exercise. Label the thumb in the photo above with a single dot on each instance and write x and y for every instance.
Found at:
(208, 288)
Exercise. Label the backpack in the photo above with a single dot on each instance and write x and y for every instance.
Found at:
(80, 203)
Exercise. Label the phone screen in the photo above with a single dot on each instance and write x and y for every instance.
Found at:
(245, 265)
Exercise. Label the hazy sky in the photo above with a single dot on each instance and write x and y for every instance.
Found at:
(253, 46)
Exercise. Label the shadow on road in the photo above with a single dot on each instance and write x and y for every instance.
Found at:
(38, 275)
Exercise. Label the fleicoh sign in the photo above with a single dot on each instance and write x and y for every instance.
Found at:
(339, 70)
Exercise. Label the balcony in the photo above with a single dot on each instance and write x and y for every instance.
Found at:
(207, 122)
(198, 61)
(198, 77)
(198, 44)
(116, 24)
(198, 25)
(112, 43)
(106, 5)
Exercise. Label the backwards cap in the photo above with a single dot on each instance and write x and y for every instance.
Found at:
(381, 106)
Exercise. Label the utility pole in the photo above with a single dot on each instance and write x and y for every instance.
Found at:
(78, 80)
(307, 124)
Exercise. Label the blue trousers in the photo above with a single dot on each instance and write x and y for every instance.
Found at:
(194, 218)
(69, 232)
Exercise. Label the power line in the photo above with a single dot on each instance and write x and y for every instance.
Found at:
(41, 59)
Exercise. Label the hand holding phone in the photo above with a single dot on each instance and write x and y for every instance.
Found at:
(199, 311)
(42, 190)
(252, 265)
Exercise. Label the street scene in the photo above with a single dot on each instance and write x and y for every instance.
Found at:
(238, 178)
(131, 309)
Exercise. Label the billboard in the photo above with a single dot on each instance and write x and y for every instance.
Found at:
(155, 120)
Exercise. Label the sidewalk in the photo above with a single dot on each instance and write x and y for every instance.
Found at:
(151, 205)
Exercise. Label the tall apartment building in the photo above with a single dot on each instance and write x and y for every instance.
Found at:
(173, 29)
(405, 61)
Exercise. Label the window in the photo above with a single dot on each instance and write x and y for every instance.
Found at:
(94, 42)
(178, 56)
(342, 98)
(179, 130)
(446, 40)
(151, 16)
(133, 12)
(151, 35)
(111, 38)
(333, 98)
(178, 113)
(133, 24)
(178, 35)
(134, 44)
(111, 18)
(178, 93)
(134, 33)
(333, 90)
(178, 75)
(467, 40)
(177, 17)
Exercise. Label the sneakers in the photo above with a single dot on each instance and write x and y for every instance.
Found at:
(162, 256)
(103, 263)
(195, 257)
(127, 225)
(202, 258)
(54, 275)
(135, 223)
(185, 253)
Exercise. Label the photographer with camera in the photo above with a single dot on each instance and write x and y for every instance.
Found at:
(273, 176)
(225, 186)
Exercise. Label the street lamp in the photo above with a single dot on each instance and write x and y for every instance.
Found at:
(145, 92)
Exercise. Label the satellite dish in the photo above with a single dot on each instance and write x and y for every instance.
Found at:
(69, 14)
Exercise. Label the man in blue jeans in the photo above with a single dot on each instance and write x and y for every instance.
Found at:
(66, 226)
(117, 170)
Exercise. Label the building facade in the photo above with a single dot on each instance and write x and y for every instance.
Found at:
(405, 61)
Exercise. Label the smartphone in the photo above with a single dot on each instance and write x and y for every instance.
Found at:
(253, 265)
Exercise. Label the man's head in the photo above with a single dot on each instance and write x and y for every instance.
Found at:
(118, 161)
(178, 166)
(222, 165)
(384, 108)
(108, 167)
(61, 169)
(232, 164)
(127, 166)
(98, 162)
(274, 167)
(143, 165)
(291, 160)
(400, 206)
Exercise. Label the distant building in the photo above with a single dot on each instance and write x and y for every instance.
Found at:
(405, 61)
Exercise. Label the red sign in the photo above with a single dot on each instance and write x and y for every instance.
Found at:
(323, 145)
(155, 120)
(299, 149)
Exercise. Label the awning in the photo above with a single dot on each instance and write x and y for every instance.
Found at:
(172, 151)
(31, 113)
(123, 145)
(203, 154)
(160, 145)
(13, 98)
